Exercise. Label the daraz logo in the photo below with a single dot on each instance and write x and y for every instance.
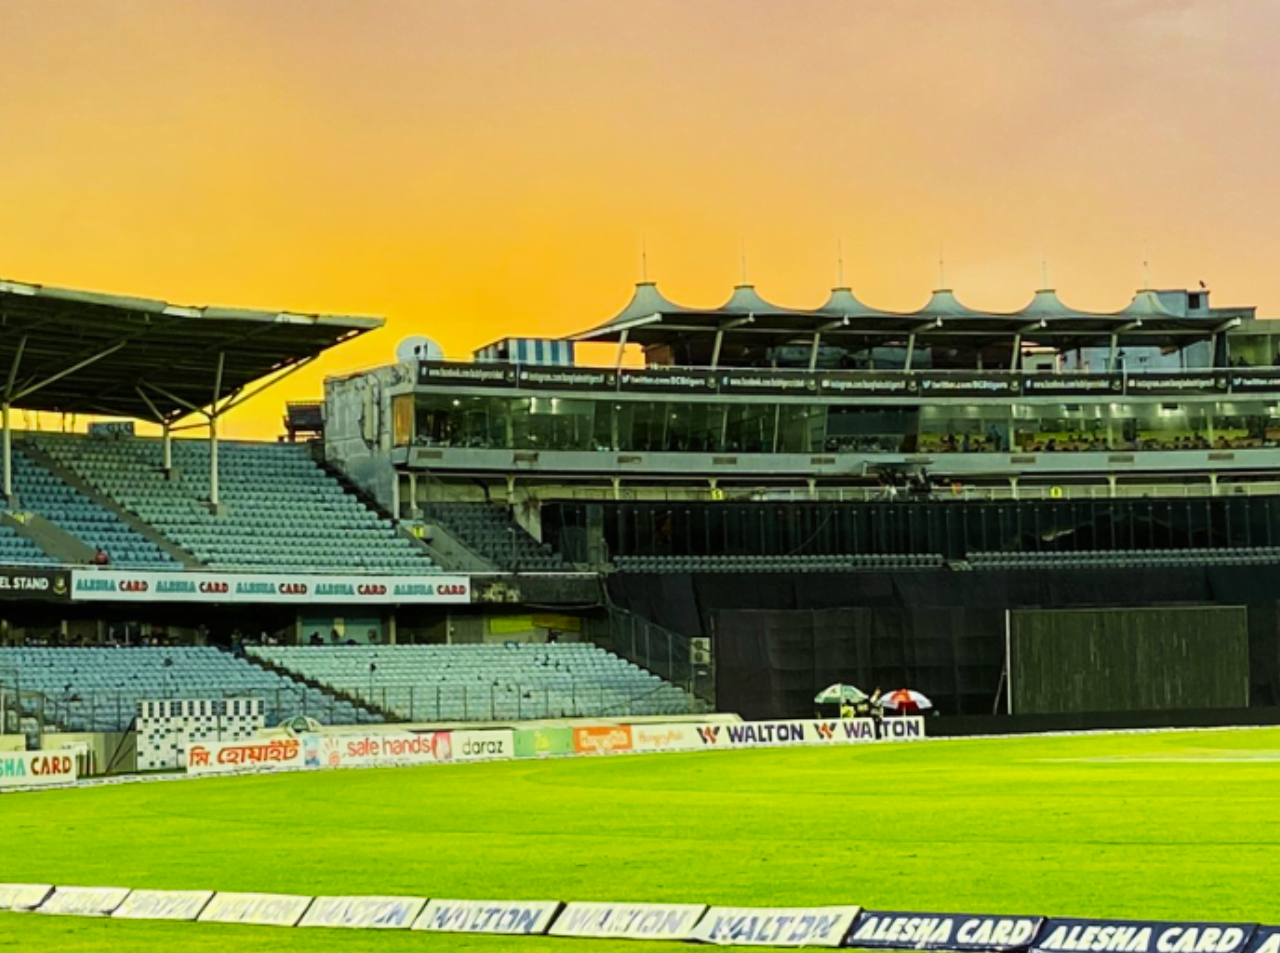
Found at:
(710, 734)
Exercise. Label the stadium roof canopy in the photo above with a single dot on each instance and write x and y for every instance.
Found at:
(86, 353)
(1152, 318)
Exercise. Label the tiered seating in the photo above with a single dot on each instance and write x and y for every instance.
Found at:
(282, 511)
(491, 532)
(41, 492)
(486, 682)
(99, 688)
(1123, 559)
(15, 549)
(838, 563)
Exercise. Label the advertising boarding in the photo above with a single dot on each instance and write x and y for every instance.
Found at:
(884, 930)
(1141, 936)
(775, 926)
(228, 757)
(33, 769)
(122, 585)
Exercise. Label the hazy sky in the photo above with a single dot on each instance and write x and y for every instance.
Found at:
(474, 168)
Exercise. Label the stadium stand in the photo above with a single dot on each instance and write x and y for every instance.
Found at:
(493, 534)
(43, 493)
(281, 511)
(99, 688)
(837, 563)
(1120, 559)
(18, 550)
(486, 682)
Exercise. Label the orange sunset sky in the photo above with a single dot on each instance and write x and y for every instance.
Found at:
(477, 168)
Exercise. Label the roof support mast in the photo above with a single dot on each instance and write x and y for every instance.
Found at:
(214, 412)
(8, 436)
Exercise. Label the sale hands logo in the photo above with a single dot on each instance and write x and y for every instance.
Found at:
(602, 740)
(331, 753)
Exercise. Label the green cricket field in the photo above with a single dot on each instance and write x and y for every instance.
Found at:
(1174, 825)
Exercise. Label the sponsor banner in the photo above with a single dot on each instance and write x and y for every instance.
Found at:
(263, 909)
(971, 385)
(1265, 940)
(484, 745)
(780, 383)
(1250, 381)
(459, 374)
(23, 896)
(543, 742)
(757, 734)
(523, 917)
(1206, 383)
(848, 384)
(602, 739)
(371, 749)
(657, 380)
(122, 585)
(368, 913)
(226, 757)
(678, 736)
(776, 926)
(34, 583)
(84, 901)
(1072, 385)
(387, 748)
(163, 905)
(566, 378)
(1142, 936)
(629, 921)
(32, 769)
(881, 930)
(901, 727)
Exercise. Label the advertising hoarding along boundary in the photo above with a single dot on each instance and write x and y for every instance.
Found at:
(1080, 935)
(121, 585)
(630, 921)
(363, 913)
(980, 933)
(350, 750)
(32, 769)
(520, 917)
(776, 926)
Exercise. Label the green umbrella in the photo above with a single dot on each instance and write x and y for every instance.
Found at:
(834, 694)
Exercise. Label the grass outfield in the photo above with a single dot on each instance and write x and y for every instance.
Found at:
(1171, 825)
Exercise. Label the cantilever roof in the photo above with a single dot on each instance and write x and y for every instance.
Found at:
(1151, 317)
(82, 352)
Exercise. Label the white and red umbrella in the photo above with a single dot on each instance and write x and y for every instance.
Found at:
(904, 699)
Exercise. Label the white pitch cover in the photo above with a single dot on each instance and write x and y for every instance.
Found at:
(163, 905)
(23, 896)
(521, 917)
(631, 921)
(84, 901)
(776, 926)
(265, 909)
(371, 913)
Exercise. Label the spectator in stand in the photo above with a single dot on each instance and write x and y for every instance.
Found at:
(100, 558)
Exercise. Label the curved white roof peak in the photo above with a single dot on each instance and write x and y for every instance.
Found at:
(646, 300)
(945, 304)
(744, 300)
(843, 301)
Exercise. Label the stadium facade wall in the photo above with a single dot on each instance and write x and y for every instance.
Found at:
(778, 638)
(949, 528)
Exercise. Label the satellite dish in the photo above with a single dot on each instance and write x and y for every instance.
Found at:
(418, 348)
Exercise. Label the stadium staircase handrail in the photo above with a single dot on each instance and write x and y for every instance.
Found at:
(667, 654)
(338, 694)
